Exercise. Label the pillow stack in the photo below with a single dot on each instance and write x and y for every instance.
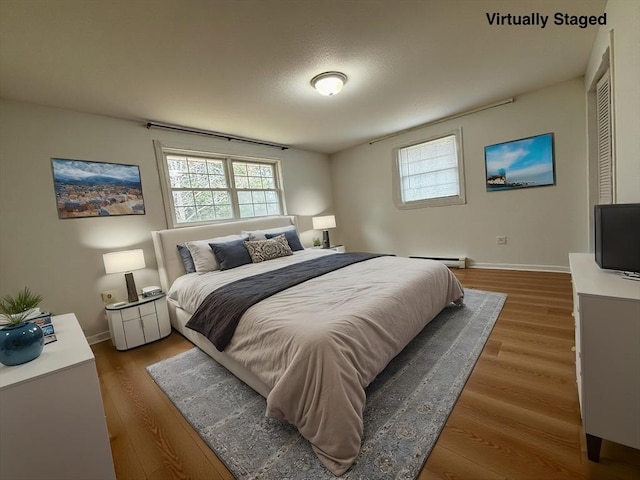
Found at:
(231, 251)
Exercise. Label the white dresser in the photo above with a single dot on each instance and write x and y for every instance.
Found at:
(607, 315)
(52, 420)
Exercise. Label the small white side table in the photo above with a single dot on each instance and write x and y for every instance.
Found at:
(52, 422)
(138, 323)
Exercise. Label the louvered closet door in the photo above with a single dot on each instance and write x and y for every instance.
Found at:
(605, 151)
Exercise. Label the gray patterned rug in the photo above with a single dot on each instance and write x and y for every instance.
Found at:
(407, 404)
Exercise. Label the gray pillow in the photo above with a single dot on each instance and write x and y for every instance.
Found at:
(231, 254)
(203, 258)
(187, 260)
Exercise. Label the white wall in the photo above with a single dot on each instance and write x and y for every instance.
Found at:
(62, 259)
(542, 224)
(621, 37)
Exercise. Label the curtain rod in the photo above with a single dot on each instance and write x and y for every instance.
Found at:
(444, 119)
(210, 133)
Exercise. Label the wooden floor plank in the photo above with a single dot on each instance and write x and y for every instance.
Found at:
(121, 446)
(447, 465)
(518, 416)
(518, 458)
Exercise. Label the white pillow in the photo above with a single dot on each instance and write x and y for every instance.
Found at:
(203, 257)
(260, 234)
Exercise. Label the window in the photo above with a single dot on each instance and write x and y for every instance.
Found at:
(429, 173)
(201, 187)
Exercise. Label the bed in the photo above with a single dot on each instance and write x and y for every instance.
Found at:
(312, 348)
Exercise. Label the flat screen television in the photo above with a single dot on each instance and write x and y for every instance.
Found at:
(617, 237)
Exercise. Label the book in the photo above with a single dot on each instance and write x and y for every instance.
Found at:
(44, 322)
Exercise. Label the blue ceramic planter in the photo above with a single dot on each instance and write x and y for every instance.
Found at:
(20, 343)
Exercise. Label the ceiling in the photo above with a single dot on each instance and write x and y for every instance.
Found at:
(244, 67)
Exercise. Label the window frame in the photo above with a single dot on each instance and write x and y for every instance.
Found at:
(164, 151)
(459, 199)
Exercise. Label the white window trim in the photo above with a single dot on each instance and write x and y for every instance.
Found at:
(430, 202)
(162, 150)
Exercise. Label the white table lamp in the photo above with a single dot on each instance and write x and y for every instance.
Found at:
(324, 223)
(125, 261)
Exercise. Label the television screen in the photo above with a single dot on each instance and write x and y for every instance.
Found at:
(617, 236)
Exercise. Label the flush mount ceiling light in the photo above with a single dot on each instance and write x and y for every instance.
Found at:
(329, 83)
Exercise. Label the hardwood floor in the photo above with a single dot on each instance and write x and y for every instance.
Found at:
(517, 417)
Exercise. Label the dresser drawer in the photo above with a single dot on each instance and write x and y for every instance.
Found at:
(147, 309)
(130, 313)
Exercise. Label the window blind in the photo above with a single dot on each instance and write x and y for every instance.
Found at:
(605, 153)
(429, 170)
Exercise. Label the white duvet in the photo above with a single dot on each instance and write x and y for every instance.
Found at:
(319, 344)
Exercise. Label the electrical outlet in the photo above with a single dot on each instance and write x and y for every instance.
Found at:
(108, 297)
(501, 239)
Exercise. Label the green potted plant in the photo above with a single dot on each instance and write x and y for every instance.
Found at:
(20, 340)
(17, 308)
(316, 242)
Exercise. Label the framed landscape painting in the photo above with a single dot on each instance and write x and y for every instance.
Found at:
(96, 189)
(523, 163)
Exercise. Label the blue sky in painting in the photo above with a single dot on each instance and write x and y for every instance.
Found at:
(81, 170)
(527, 160)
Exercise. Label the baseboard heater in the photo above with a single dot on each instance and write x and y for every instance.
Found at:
(455, 262)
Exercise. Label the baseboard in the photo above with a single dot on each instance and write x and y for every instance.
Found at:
(517, 266)
(453, 262)
(101, 337)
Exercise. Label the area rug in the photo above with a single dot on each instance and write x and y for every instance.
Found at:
(407, 404)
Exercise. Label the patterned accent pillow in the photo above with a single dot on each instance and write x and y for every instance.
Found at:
(290, 235)
(262, 250)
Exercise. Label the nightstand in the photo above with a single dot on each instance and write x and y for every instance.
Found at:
(338, 248)
(138, 323)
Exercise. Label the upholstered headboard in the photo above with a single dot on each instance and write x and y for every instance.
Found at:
(165, 242)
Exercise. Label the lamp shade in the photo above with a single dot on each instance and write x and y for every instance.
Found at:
(322, 223)
(125, 261)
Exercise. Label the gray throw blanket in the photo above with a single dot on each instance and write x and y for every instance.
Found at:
(219, 314)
